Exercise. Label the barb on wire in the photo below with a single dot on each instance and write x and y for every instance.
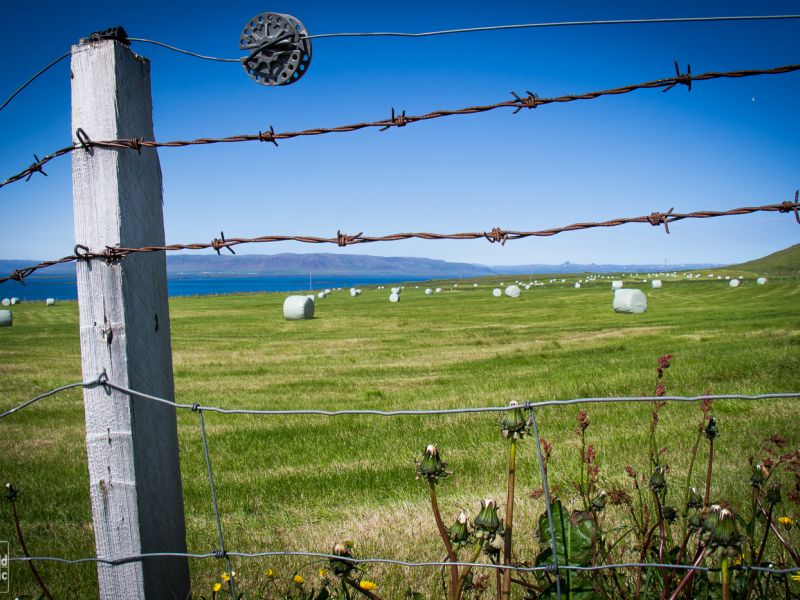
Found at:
(401, 120)
(114, 254)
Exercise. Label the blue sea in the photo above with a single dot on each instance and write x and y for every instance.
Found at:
(65, 288)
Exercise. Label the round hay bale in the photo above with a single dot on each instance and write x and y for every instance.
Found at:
(616, 284)
(474, 285)
(355, 292)
(50, 302)
(395, 290)
(656, 283)
(322, 295)
(438, 290)
(6, 302)
(629, 301)
(513, 291)
(296, 308)
(497, 292)
(310, 297)
(393, 297)
(761, 280)
(527, 286)
(14, 301)
(577, 286)
(428, 291)
(6, 318)
(734, 283)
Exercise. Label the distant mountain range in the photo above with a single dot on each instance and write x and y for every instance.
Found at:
(211, 265)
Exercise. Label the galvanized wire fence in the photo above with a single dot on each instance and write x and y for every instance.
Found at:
(222, 553)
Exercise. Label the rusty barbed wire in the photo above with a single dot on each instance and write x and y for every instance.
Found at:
(113, 254)
(400, 119)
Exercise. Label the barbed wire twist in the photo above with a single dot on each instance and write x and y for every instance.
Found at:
(396, 119)
(113, 254)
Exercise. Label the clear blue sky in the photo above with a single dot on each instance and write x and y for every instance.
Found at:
(725, 144)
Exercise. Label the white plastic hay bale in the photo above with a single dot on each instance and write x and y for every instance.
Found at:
(656, 283)
(761, 281)
(616, 284)
(296, 308)
(563, 281)
(396, 290)
(14, 301)
(497, 292)
(355, 292)
(438, 290)
(577, 285)
(734, 283)
(474, 285)
(322, 295)
(50, 302)
(6, 318)
(629, 301)
(327, 291)
(6, 302)
(416, 287)
(428, 291)
(513, 291)
(393, 297)
(727, 277)
(527, 286)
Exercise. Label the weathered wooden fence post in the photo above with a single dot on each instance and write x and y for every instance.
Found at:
(132, 444)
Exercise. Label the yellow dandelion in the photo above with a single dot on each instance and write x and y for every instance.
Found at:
(786, 522)
(796, 576)
(322, 572)
(225, 577)
(270, 574)
(365, 584)
(298, 579)
(217, 587)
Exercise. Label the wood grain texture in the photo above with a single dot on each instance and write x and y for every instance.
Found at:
(132, 446)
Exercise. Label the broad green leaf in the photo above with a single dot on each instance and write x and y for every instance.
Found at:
(575, 535)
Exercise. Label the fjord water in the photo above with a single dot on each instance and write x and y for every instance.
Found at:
(65, 288)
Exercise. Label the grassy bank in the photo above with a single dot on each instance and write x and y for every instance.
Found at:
(302, 483)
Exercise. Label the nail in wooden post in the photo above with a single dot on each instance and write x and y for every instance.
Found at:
(132, 443)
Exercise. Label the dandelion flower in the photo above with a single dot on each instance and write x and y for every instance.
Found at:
(322, 572)
(786, 522)
(298, 579)
(225, 577)
(796, 576)
(270, 573)
(217, 587)
(365, 584)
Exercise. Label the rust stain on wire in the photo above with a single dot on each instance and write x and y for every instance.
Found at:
(399, 119)
(112, 254)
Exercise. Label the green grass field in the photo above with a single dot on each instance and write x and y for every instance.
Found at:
(302, 483)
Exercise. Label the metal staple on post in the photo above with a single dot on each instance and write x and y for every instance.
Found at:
(222, 553)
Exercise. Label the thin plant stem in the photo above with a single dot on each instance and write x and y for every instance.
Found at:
(465, 573)
(445, 539)
(778, 535)
(726, 578)
(512, 459)
(642, 556)
(688, 577)
(708, 470)
(693, 457)
(24, 547)
(752, 579)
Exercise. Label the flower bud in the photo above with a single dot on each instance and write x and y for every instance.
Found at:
(712, 518)
(599, 501)
(774, 493)
(759, 475)
(459, 531)
(431, 468)
(695, 500)
(514, 424)
(725, 534)
(712, 430)
(343, 567)
(669, 513)
(658, 481)
(11, 493)
(695, 521)
(487, 522)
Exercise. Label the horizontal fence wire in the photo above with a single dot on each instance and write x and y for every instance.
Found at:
(390, 561)
(555, 567)
(102, 380)
(400, 119)
(496, 235)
